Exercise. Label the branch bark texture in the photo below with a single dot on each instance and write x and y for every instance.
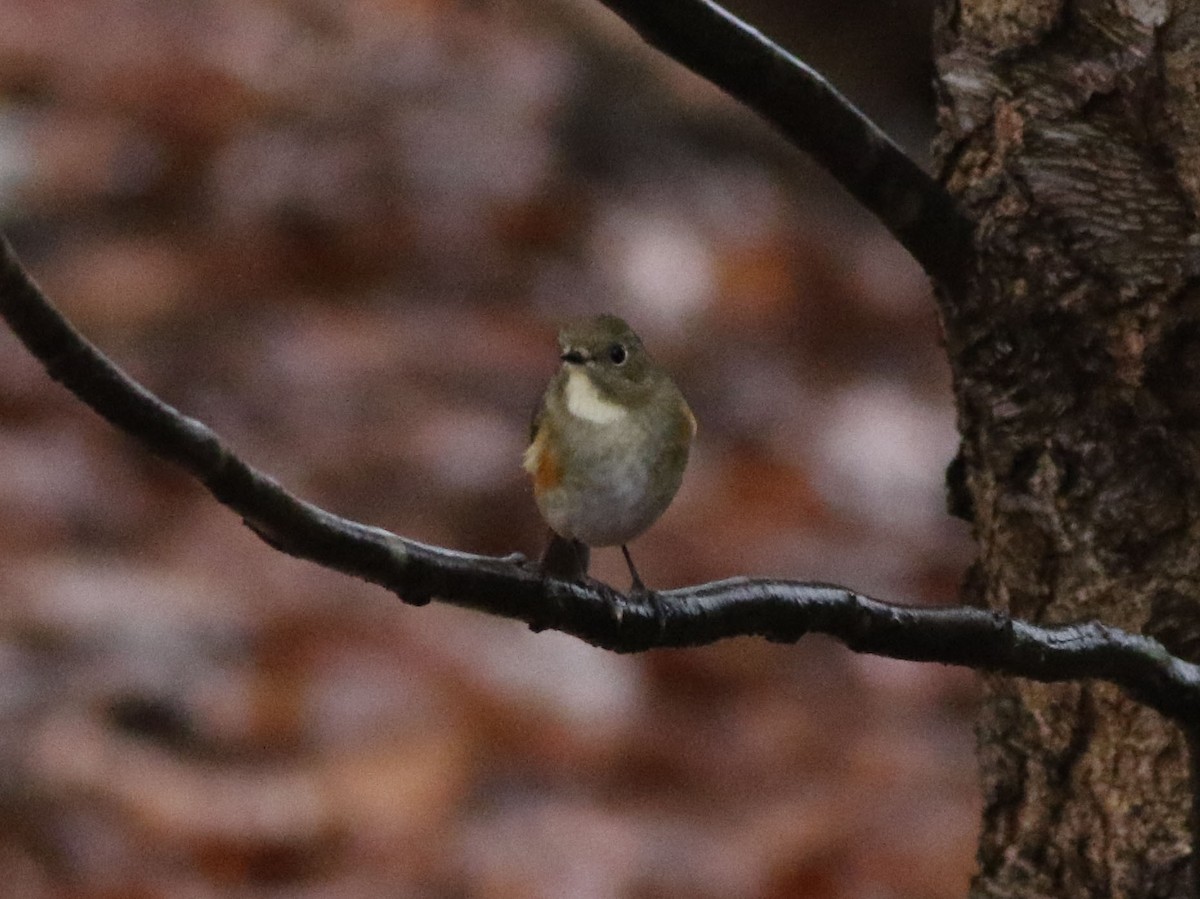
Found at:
(1068, 261)
(815, 117)
(782, 611)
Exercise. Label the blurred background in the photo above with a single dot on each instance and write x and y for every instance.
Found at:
(344, 234)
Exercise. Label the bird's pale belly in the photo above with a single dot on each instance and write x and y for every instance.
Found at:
(613, 487)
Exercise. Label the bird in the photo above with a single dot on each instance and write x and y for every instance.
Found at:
(608, 445)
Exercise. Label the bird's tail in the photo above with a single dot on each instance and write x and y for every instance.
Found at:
(564, 559)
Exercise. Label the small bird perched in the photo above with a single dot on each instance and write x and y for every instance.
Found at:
(608, 445)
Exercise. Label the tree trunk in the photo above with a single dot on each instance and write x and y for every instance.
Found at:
(1071, 132)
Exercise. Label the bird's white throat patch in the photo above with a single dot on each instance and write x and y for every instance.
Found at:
(584, 401)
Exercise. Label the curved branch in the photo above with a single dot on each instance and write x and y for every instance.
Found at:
(782, 611)
(814, 116)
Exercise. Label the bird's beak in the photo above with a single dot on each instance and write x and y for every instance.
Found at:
(573, 356)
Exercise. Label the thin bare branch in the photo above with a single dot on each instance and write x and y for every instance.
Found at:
(814, 116)
(782, 611)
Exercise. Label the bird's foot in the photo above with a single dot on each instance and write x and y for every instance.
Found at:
(650, 600)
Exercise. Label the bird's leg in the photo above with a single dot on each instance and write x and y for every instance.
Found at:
(639, 591)
(637, 587)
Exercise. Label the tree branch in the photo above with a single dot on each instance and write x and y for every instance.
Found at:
(781, 611)
(814, 116)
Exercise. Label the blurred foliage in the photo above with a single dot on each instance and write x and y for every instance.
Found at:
(343, 234)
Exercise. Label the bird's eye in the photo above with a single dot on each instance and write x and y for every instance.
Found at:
(617, 354)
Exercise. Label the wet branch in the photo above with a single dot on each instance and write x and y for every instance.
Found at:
(782, 611)
(814, 116)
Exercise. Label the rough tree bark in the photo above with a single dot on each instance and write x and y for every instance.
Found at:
(1071, 133)
(1071, 136)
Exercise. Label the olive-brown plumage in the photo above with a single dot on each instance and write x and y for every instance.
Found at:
(610, 441)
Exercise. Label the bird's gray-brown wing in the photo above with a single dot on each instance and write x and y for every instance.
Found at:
(535, 420)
